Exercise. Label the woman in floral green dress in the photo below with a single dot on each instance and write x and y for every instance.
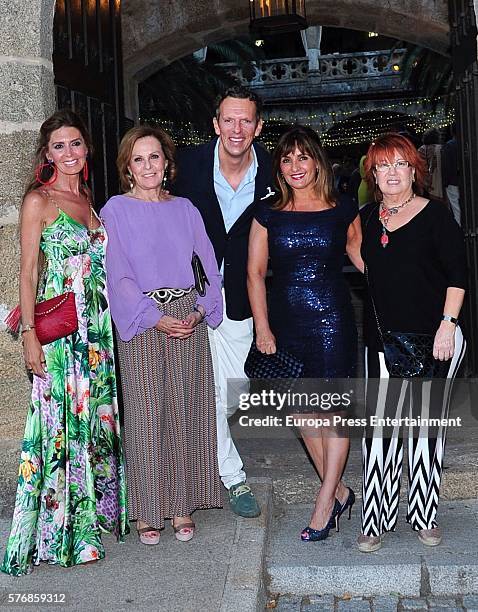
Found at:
(71, 484)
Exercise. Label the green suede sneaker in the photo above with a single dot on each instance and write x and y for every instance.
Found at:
(242, 500)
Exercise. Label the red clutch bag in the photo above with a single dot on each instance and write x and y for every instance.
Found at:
(54, 318)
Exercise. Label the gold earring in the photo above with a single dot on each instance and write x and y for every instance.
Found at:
(129, 176)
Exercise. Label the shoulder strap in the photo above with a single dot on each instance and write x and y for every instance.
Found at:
(373, 303)
(50, 198)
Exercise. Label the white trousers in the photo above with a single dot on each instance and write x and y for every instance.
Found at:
(453, 195)
(230, 344)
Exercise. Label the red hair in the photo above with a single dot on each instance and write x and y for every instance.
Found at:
(384, 149)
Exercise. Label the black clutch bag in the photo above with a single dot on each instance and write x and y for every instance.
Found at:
(279, 365)
(200, 277)
(410, 355)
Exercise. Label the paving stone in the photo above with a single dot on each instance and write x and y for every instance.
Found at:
(289, 603)
(318, 603)
(445, 609)
(353, 605)
(414, 604)
(385, 603)
(470, 603)
(443, 603)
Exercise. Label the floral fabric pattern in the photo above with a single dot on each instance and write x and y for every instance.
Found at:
(71, 482)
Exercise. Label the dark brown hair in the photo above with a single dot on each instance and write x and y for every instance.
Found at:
(384, 149)
(126, 149)
(241, 93)
(307, 141)
(62, 118)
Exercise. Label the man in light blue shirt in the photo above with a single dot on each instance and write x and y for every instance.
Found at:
(226, 179)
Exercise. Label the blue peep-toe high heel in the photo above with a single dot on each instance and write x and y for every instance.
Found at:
(348, 503)
(315, 535)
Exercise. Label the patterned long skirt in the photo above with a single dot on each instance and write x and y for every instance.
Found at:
(169, 421)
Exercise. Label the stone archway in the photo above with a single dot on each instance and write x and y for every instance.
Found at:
(155, 34)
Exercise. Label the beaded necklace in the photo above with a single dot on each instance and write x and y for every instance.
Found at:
(384, 215)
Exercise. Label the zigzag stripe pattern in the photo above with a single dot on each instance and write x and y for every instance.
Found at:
(382, 457)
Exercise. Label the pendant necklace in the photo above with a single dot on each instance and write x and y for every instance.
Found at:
(384, 215)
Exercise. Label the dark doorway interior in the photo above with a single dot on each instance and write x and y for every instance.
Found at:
(88, 77)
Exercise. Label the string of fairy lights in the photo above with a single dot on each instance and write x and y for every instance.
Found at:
(338, 127)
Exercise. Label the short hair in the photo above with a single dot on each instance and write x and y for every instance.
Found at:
(308, 142)
(384, 148)
(242, 93)
(126, 147)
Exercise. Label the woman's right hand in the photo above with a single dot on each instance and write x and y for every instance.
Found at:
(174, 328)
(266, 342)
(33, 354)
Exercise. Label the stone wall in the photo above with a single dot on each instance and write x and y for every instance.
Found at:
(157, 33)
(26, 74)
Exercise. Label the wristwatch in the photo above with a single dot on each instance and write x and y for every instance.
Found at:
(446, 317)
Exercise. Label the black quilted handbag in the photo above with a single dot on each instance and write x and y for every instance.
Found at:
(409, 355)
(200, 277)
(279, 365)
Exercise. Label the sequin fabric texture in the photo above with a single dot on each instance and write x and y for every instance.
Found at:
(310, 310)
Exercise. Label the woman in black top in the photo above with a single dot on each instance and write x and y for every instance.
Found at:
(416, 270)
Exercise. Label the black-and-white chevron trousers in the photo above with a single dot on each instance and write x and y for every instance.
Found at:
(382, 450)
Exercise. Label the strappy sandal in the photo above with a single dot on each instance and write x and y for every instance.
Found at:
(184, 532)
(148, 540)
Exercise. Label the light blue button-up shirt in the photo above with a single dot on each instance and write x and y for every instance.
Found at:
(234, 202)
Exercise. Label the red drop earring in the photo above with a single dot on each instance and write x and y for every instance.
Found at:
(38, 173)
(85, 171)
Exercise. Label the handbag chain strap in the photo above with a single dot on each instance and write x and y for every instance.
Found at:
(373, 302)
(53, 308)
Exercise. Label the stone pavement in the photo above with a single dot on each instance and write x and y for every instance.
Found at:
(235, 564)
(391, 603)
(219, 570)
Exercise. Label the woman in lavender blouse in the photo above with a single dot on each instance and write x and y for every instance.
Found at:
(164, 355)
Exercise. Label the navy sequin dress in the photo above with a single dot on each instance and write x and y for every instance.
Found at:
(310, 311)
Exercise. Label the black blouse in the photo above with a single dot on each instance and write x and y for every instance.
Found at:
(408, 278)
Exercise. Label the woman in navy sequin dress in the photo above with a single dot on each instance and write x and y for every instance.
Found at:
(308, 312)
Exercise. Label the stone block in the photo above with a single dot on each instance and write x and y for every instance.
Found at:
(9, 264)
(288, 603)
(455, 576)
(318, 603)
(34, 17)
(414, 604)
(470, 603)
(385, 603)
(16, 155)
(353, 605)
(29, 93)
(442, 603)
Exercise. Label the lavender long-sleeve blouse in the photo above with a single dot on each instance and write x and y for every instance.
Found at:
(150, 246)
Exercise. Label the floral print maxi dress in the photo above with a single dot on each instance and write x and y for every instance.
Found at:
(71, 483)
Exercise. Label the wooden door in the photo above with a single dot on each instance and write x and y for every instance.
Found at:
(87, 64)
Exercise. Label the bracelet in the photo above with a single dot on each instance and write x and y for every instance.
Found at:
(446, 317)
(27, 328)
(196, 309)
